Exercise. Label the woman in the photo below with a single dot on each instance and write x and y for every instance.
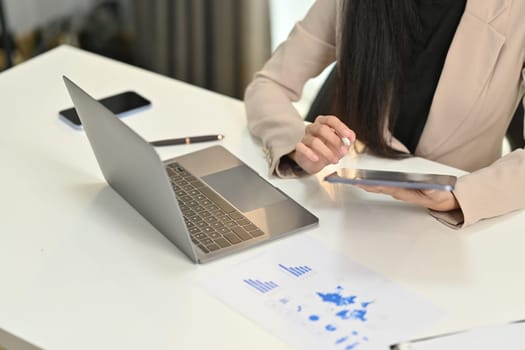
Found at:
(438, 79)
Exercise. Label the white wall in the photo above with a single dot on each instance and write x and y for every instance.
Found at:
(284, 14)
(25, 15)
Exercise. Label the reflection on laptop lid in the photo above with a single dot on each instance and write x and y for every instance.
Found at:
(208, 203)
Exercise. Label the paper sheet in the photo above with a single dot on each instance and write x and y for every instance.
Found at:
(314, 298)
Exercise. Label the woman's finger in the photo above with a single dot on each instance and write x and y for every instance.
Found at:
(328, 136)
(306, 152)
(340, 128)
(321, 149)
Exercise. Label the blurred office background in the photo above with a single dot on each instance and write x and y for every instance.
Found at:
(214, 44)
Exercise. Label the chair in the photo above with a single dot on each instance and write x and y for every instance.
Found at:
(323, 105)
(323, 101)
(5, 36)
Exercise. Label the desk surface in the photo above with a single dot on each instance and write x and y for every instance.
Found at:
(81, 269)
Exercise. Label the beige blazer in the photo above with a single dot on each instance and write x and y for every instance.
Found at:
(481, 84)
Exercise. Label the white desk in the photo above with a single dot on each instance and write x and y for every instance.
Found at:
(80, 269)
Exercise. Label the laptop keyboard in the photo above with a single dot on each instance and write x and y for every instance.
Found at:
(212, 222)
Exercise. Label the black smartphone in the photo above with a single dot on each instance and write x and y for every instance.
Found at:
(119, 104)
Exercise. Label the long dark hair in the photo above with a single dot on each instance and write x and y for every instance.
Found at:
(376, 44)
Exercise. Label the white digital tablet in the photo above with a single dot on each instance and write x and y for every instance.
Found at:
(393, 178)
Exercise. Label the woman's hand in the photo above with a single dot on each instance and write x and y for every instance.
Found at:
(322, 144)
(431, 199)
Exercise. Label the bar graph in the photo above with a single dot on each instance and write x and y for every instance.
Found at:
(296, 271)
(263, 287)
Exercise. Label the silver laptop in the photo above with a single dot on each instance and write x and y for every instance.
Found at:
(9, 341)
(208, 203)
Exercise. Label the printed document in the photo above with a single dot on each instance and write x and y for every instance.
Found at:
(315, 298)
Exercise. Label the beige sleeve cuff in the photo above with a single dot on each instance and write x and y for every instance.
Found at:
(453, 219)
(288, 168)
(281, 165)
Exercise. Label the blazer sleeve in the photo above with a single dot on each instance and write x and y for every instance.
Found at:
(271, 116)
(489, 192)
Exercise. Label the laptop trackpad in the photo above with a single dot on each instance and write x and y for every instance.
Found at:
(244, 188)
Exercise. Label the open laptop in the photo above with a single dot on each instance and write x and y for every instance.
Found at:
(208, 203)
(9, 341)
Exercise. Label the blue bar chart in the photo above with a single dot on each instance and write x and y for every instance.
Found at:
(263, 287)
(296, 271)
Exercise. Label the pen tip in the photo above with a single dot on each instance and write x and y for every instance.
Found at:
(220, 137)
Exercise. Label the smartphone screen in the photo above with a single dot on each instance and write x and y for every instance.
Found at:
(118, 104)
